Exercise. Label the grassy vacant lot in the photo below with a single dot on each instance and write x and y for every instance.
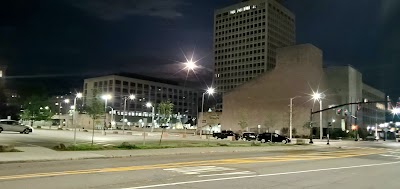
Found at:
(167, 144)
(8, 148)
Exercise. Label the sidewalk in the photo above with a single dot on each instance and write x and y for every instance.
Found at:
(33, 154)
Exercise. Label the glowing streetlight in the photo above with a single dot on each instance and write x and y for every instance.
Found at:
(149, 105)
(209, 91)
(78, 95)
(317, 96)
(396, 111)
(130, 97)
(66, 101)
(190, 65)
(105, 97)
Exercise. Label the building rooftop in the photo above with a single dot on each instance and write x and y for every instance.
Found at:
(147, 78)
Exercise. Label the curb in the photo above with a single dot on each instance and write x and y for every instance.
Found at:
(164, 154)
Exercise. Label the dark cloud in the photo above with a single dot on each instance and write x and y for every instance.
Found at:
(117, 9)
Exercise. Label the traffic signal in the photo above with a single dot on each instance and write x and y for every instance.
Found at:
(354, 127)
(339, 112)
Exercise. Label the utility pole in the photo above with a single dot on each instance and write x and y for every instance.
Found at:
(311, 133)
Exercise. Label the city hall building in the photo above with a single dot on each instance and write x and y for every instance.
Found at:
(264, 101)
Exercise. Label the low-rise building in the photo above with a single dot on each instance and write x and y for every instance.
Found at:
(146, 89)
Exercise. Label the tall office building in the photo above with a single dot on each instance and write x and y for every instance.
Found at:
(246, 36)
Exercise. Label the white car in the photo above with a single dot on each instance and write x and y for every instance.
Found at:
(12, 125)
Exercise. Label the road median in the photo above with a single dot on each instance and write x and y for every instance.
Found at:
(34, 154)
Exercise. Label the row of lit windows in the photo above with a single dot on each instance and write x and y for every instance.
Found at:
(237, 29)
(239, 61)
(139, 86)
(241, 73)
(217, 39)
(239, 55)
(240, 41)
(237, 23)
(250, 13)
(238, 15)
(241, 67)
(234, 49)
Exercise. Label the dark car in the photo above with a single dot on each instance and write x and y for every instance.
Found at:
(224, 134)
(272, 137)
(246, 136)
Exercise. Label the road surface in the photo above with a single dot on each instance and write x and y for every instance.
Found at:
(361, 167)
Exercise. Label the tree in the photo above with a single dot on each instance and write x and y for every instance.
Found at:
(35, 109)
(165, 110)
(95, 109)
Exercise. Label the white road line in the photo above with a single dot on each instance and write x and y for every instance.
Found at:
(265, 175)
(198, 169)
(233, 173)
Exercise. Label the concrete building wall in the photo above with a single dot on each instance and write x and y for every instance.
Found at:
(264, 101)
(373, 114)
(345, 85)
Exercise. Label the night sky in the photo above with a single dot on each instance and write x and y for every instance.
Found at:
(72, 39)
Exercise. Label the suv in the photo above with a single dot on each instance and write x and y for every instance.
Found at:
(272, 137)
(11, 125)
(248, 136)
(224, 134)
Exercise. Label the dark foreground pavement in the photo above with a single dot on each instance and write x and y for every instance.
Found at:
(319, 168)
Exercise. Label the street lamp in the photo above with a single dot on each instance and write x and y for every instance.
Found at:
(78, 95)
(149, 105)
(105, 97)
(291, 117)
(209, 91)
(130, 97)
(316, 96)
(396, 111)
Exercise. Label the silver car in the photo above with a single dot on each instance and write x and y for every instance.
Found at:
(12, 125)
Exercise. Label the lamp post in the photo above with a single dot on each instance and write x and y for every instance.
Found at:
(209, 91)
(130, 97)
(78, 95)
(66, 101)
(318, 97)
(149, 105)
(291, 117)
(105, 97)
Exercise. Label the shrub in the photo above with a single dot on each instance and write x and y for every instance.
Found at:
(222, 144)
(126, 145)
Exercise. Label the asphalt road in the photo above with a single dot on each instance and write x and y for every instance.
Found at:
(51, 138)
(364, 167)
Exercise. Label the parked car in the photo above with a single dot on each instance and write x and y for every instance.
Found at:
(12, 125)
(272, 137)
(247, 136)
(224, 134)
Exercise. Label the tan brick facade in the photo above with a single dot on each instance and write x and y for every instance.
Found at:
(265, 100)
